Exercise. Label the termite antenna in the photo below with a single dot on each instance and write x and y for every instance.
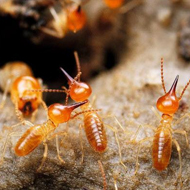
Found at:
(103, 174)
(162, 75)
(46, 90)
(184, 89)
(77, 63)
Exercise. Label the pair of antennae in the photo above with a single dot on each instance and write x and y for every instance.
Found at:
(162, 79)
(77, 78)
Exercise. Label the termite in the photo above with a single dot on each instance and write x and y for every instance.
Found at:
(93, 124)
(69, 18)
(17, 77)
(76, 19)
(36, 134)
(168, 105)
(9, 72)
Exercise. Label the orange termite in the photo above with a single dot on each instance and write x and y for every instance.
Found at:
(162, 141)
(93, 124)
(69, 18)
(58, 26)
(57, 114)
(17, 78)
(9, 72)
(76, 19)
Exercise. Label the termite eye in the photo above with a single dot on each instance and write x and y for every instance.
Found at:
(80, 91)
(169, 103)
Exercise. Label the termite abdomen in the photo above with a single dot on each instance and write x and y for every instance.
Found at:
(95, 132)
(161, 149)
(33, 137)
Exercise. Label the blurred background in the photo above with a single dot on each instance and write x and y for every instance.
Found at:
(99, 42)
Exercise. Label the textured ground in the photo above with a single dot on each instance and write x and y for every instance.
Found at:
(128, 92)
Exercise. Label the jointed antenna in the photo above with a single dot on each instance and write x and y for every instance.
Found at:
(77, 63)
(184, 89)
(162, 75)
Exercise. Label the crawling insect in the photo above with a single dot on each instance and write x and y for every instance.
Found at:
(57, 114)
(10, 71)
(17, 77)
(162, 141)
(93, 124)
(69, 18)
(76, 19)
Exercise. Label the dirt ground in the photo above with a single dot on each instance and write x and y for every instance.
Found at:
(128, 92)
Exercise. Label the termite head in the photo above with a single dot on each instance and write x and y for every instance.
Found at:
(26, 100)
(59, 113)
(113, 4)
(76, 19)
(169, 103)
(79, 91)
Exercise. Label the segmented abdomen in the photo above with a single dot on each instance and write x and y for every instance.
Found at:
(32, 138)
(95, 132)
(161, 149)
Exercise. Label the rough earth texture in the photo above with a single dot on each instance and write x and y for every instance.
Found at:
(128, 92)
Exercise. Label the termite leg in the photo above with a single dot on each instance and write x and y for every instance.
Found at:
(58, 152)
(156, 113)
(149, 126)
(118, 144)
(93, 100)
(4, 148)
(81, 144)
(180, 162)
(103, 175)
(44, 105)
(137, 159)
(133, 138)
(57, 34)
(117, 121)
(115, 183)
(11, 134)
(183, 132)
(55, 135)
(18, 113)
(144, 125)
(33, 117)
(44, 156)
(5, 93)
(181, 118)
